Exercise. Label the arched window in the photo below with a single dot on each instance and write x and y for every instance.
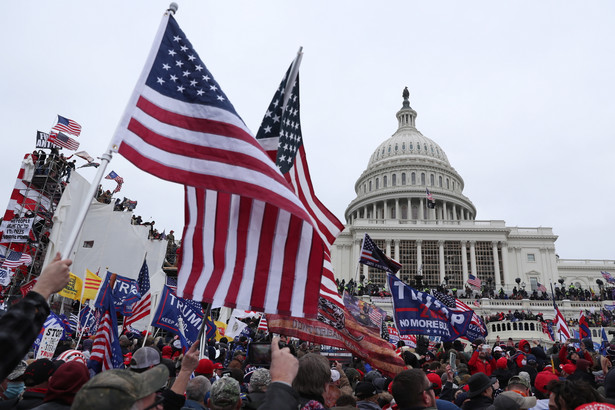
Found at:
(370, 186)
(396, 146)
(377, 183)
(432, 180)
(440, 181)
(384, 181)
(394, 179)
(415, 212)
(422, 178)
(403, 178)
(404, 212)
(447, 184)
(413, 178)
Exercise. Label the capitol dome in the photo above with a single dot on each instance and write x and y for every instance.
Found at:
(402, 172)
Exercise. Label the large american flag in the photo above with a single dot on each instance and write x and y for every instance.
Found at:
(246, 231)
(143, 307)
(474, 281)
(280, 135)
(66, 126)
(106, 347)
(541, 287)
(13, 259)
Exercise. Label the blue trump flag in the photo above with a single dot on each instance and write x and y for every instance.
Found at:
(179, 316)
(419, 313)
(124, 292)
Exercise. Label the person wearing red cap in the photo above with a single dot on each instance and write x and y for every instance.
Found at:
(436, 381)
(205, 368)
(542, 379)
(568, 369)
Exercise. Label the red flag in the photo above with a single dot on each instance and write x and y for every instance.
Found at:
(246, 231)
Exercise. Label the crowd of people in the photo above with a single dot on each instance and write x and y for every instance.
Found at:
(158, 373)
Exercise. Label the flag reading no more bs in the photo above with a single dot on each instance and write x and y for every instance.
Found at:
(419, 313)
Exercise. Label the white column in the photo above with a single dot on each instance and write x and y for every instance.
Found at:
(505, 270)
(374, 216)
(496, 264)
(419, 255)
(441, 257)
(388, 247)
(464, 261)
(421, 212)
(397, 214)
(473, 258)
(444, 211)
(397, 241)
(454, 212)
(385, 210)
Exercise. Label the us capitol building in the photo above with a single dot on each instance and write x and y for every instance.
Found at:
(444, 244)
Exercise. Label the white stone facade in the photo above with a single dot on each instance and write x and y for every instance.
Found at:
(444, 242)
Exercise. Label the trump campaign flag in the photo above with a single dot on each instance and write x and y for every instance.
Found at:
(373, 256)
(178, 316)
(123, 292)
(420, 313)
(248, 240)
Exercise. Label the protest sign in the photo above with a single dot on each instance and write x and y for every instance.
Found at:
(16, 230)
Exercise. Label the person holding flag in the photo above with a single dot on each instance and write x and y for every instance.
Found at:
(22, 322)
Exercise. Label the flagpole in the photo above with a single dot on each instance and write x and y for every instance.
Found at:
(87, 320)
(206, 312)
(72, 238)
(292, 76)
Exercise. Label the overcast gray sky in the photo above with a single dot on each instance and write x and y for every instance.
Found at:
(518, 94)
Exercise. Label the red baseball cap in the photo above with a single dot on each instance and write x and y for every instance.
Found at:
(218, 366)
(205, 366)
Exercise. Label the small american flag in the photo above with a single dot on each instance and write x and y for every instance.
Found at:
(430, 201)
(62, 140)
(142, 308)
(106, 347)
(562, 326)
(67, 126)
(454, 303)
(375, 316)
(262, 324)
(474, 281)
(608, 277)
(541, 287)
(372, 255)
(115, 177)
(112, 175)
(15, 259)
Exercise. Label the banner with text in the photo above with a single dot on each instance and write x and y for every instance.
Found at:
(178, 316)
(419, 313)
(17, 230)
